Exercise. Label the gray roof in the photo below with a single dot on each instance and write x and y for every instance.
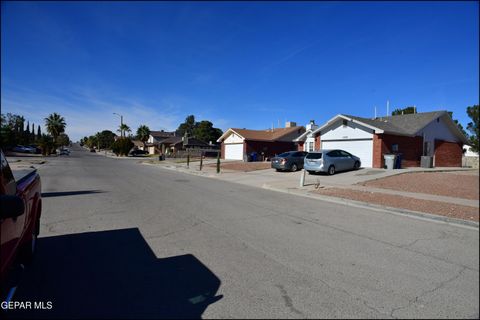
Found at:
(172, 140)
(162, 134)
(405, 124)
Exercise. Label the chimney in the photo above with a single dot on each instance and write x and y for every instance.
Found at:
(311, 125)
(290, 124)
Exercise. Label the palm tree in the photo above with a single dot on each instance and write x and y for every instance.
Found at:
(55, 125)
(143, 133)
(123, 128)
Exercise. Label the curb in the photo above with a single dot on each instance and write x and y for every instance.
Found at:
(390, 210)
(352, 203)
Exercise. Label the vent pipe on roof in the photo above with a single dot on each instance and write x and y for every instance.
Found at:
(388, 107)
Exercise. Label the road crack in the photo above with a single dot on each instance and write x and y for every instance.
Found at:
(427, 292)
(288, 300)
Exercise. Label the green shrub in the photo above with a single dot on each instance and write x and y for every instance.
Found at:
(46, 144)
(122, 146)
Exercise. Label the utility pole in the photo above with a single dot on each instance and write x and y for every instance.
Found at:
(121, 124)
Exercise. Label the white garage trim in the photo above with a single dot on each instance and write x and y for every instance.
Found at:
(362, 148)
(234, 151)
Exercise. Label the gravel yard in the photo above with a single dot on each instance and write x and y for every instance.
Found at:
(244, 166)
(433, 207)
(459, 184)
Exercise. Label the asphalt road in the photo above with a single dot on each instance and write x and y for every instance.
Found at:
(122, 239)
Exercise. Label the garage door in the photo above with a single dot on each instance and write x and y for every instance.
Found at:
(360, 148)
(234, 151)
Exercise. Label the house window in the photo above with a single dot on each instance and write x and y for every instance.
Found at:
(344, 123)
(310, 146)
(395, 147)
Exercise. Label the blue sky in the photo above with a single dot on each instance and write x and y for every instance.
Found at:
(238, 64)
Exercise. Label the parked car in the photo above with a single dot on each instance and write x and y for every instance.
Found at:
(331, 161)
(21, 205)
(291, 160)
(34, 149)
(138, 152)
(92, 150)
(63, 151)
(23, 149)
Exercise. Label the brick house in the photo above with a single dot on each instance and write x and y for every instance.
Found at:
(412, 135)
(236, 144)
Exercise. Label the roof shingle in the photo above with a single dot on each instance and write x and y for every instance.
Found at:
(278, 134)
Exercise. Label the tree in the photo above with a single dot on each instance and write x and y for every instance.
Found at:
(123, 128)
(32, 134)
(106, 138)
(91, 141)
(39, 132)
(205, 131)
(459, 125)
(472, 112)
(122, 146)
(188, 126)
(12, 130)
(406, 110)
(55, 125)
(46, 144)
(63, 140)
(143, 133)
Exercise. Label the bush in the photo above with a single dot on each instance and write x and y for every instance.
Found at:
(122, 146)
(46, 144)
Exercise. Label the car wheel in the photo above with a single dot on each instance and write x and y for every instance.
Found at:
(311, 172)
(356, 166)
(278, 170)
(331, 170)
(294, 167)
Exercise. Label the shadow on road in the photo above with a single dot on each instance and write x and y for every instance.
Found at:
(69, 193)
(114, 274)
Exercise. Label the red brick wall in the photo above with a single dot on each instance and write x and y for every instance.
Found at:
(270, 149)
(410, 147)
(300, 146)
(317, 142)
(448, 154)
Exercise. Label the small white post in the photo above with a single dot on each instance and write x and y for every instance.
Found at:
(302, 178)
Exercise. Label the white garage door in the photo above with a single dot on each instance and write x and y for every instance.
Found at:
(234, 151)
(360, 148)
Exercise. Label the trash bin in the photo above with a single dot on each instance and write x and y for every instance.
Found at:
(161, 157)
(389, 161)
(254, 156)
(398, 161)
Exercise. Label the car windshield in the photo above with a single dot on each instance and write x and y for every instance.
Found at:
(315, 155)
(285, 154)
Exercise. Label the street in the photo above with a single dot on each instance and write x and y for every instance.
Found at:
(123, 239)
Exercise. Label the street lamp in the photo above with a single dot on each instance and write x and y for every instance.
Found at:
(121, 123)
